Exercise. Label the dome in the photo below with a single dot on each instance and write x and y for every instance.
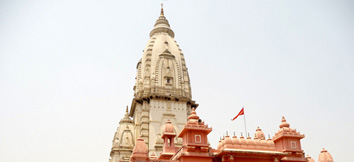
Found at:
(235, 140)
(259, 134)
(228, 140)
(270, 143)
(169, 129)
(325, 156)
(284, 123)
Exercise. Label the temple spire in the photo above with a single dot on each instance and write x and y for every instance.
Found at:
(126, 118)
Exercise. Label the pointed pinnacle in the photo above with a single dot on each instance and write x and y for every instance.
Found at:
(162, 14)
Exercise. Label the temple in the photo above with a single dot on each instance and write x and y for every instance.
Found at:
(163, 126)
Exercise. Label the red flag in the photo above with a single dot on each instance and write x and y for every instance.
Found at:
(242, 112)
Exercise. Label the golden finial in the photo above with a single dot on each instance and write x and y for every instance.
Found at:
(162, 9)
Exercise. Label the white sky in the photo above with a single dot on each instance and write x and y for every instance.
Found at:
(67, 71)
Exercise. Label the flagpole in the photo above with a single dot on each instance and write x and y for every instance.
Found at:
(244, 118)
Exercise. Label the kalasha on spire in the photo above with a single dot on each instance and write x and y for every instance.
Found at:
(162, 14)
(162, 25)
(284, 123)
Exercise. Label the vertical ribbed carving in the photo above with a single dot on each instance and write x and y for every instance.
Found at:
(144, 129)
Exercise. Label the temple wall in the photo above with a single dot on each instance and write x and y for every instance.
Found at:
(160, 112)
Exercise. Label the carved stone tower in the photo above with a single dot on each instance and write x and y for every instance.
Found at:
(162, 90)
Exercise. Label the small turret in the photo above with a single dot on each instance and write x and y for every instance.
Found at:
(259, 134)
(168, 136)
(287, 140)
(325, 156)
(123, 141)
(195, 139)
(169, 130)
(140, 151)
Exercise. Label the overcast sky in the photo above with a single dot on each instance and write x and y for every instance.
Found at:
(67, 71)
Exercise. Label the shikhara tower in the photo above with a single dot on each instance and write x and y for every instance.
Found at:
(162, 92)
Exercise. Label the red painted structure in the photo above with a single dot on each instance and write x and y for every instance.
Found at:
(284, 147)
